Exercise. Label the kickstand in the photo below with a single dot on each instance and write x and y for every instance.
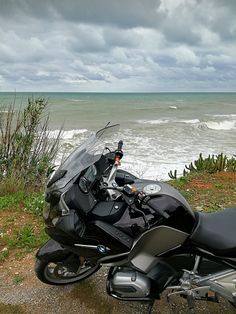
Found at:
(150, 307)
(191, 302)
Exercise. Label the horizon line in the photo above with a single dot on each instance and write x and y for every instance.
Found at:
(122, 92)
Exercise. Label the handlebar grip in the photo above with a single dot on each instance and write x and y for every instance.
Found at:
(120, 145)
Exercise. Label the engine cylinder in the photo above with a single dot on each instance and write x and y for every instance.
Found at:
(127, 283)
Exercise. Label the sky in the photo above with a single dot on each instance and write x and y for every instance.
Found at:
(118, 45)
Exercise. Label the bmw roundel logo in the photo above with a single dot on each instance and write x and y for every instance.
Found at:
(102, 249)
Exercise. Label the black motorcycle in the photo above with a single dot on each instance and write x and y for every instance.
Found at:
(144, 230)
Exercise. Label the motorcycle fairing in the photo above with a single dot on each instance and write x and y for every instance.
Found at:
(152, 243)
(52, 251)
(81, 158)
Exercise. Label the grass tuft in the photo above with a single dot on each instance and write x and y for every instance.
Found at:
(18, 279)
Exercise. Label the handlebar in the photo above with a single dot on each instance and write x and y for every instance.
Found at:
(120, 145)
(119, 152)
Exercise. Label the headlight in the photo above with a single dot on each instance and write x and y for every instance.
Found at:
(55, 207)
(51, 214)
(55, 220)
(46, 211)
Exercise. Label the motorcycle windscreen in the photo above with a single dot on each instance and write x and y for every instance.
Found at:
(81, 158)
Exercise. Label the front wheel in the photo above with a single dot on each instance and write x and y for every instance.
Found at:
(59, 273)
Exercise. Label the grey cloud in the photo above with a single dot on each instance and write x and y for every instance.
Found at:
(185, 21)
(117, 45)
(24, 8)
(178, 33)
(86, 38)
(127, 38)
(123, 13)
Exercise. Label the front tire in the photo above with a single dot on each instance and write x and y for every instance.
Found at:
(57, 273)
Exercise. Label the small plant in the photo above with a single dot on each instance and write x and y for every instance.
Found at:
(4, 254)
(211, 164)
(11, 200)
(35, 204)
(231, 164)
(24, 238)
(173, 175)
(18, 279)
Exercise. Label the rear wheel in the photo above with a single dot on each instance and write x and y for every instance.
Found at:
(61, 273)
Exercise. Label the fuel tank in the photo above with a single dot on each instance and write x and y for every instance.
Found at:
(169, 203)
(165, 206)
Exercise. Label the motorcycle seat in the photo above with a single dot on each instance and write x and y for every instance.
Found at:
(216, 232)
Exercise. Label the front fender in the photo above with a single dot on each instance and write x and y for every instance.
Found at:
(52, 251)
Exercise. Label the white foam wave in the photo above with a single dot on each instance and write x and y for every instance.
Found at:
(173, 107)
(66, 135)
(221, 125)
(158, 121)
(190, 121)
(75, 100)
(150, 156)
(222, 115)
(164, 121)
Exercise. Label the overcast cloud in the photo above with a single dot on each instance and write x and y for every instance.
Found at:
(106, 45)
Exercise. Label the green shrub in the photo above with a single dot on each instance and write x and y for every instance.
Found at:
(26, 147)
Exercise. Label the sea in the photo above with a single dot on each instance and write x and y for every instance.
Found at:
(160, 131)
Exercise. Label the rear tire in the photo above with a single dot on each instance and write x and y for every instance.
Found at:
(56, 273)
(232, 304)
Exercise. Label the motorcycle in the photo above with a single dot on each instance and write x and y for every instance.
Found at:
(143, 230)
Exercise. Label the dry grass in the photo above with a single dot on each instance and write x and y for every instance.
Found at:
(210, 191)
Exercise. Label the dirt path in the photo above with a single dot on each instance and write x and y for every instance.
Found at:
(21, 292)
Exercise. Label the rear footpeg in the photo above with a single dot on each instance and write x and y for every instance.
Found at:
(195, 294)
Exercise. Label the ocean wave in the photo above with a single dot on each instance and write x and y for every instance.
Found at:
(220, 125)
(75, 100)
(190, 121)
(152, 155)
(164, 121)
(232, 115)
(66, 135)
(158, 121)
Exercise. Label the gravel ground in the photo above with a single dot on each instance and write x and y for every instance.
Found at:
(21, 292)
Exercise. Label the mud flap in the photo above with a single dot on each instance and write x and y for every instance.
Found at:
(52, 251)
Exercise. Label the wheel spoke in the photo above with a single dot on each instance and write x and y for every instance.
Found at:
(57, 273)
